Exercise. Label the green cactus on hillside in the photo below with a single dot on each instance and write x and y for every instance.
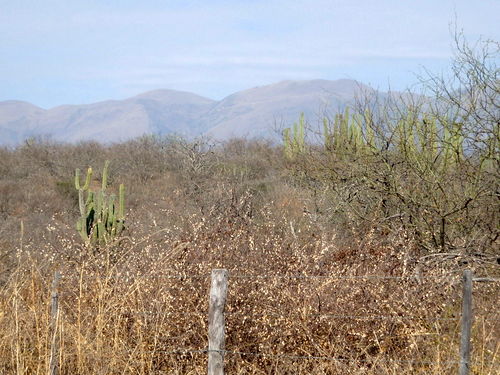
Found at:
(349, 134)
(101, 217)
(294, 139)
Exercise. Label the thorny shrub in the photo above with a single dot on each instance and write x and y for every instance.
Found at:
(192, 208)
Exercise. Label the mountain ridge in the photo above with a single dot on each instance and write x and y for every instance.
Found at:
(246, 113)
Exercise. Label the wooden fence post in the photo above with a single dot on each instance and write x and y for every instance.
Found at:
(216, 323)
(54, 315)
(465, 346)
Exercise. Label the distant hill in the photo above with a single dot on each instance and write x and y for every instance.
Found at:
(258, 111)
(17, 121)
(254, 112)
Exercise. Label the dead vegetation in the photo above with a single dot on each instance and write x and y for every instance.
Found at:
(233, 206)
(298, 229)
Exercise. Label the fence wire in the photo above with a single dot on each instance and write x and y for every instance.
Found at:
(354, 317)
(302, 357)
(374, 360)
(491, 318)
(420, 279)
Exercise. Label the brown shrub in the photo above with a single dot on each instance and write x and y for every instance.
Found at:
(192, 208)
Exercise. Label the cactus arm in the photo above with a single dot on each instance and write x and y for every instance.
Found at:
(301, 134)
(105, 176)
(111, 215)
(87, 179)
(121, 205)
(294, 138)
(287, 145)
(84, 205)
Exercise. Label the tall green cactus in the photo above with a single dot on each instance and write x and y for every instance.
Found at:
(349, 134)
(101, 218)
(429, 144)
(294, 140)
(405, 136)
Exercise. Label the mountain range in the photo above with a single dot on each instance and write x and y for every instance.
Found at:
(256, 112)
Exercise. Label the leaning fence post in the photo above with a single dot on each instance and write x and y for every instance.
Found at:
(216, 324)
(54, 317)
(465, 346)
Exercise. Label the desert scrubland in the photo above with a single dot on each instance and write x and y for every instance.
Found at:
(345, 244)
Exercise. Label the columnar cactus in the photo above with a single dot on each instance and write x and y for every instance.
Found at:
(349, 134)
(101, 218)
(294, 140)
(429, 144)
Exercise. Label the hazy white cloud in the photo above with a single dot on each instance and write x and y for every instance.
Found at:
(204, 46)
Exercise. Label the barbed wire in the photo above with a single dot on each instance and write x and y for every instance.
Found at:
(419, 279)
(486, 280)
(378, 277)
(354, 317)
(134, 277)
(300, 357)
(490, 317)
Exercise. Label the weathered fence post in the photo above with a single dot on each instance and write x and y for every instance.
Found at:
(216, 323)
(465, 346)
(54, 316)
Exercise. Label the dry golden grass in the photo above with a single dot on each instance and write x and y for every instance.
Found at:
(122, 312)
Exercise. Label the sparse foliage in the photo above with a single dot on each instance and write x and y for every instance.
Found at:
(408, 188)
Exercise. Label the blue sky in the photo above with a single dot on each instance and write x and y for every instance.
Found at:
(80, 51)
